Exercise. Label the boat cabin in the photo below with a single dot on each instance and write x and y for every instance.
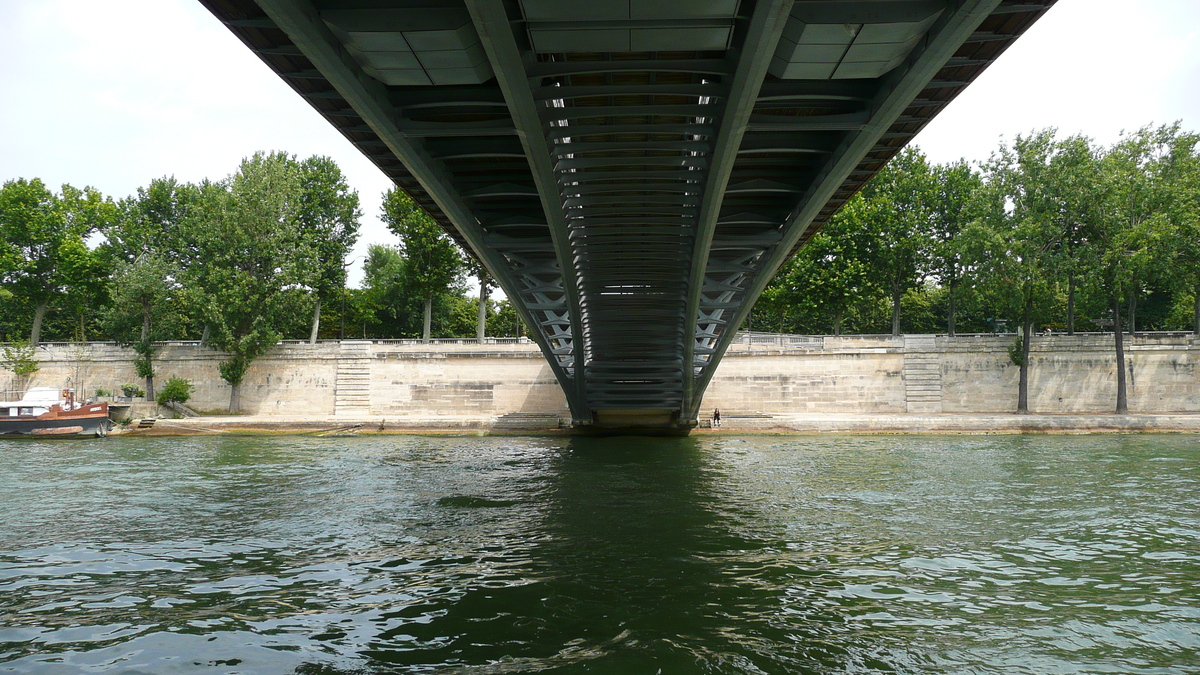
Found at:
(36, 401)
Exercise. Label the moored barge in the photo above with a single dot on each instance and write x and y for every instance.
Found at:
(47, 412)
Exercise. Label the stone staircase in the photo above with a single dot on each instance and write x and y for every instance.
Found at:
(922, 375)
(742, 419)
(352, 392)
(529, 421)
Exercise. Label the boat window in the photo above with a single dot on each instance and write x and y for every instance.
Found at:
(26, 411)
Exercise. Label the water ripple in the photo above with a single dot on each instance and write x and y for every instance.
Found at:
(474, 555)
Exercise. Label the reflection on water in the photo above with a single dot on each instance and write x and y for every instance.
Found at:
(502, 555)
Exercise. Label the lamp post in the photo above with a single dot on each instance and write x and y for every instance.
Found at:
(345, 265)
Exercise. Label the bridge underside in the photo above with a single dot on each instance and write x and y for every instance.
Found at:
(632, 173)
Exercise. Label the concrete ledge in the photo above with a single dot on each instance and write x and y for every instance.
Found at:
(829, 423)
(233, 424)
(785, 423)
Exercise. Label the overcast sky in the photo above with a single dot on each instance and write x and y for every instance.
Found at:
(114, 93)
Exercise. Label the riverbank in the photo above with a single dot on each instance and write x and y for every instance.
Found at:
(784, 424)
(775, 375)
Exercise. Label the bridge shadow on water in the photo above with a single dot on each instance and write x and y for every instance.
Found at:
(384, 555)
(637, 560)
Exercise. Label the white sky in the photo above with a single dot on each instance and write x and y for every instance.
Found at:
(115, 93)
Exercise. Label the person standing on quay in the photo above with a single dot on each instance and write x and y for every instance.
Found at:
(716, 417)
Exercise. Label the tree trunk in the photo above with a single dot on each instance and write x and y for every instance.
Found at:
(204, 336)
(145, 320)
(1026, 338)
(1122, 399)
(1071, 304)
(146, 341)
(837, 322)
(897, 293)
(481, 326)
(950, 313)
(316, 325)
(428, 320)
(1196, 312)
(235, 396)
(35, 334)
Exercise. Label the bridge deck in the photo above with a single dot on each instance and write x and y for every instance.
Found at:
(631, 173)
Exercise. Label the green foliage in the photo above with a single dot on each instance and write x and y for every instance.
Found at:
(43, 255)
(18, 357)
(503, 321)
(327, 224)
(245, 229)
(144, 363)
(132, 391)
(392, 307)
(955, 203)
(177, 390)
(144, 367)
(103, 392)
(152, 250)
(432, 262)
(1016, 352)
(1017, 242)
(895, 209)
(819, 286)
(1133, 227)
(233, 369)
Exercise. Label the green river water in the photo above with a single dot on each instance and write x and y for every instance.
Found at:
(917, 554)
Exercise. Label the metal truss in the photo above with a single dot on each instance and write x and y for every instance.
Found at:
(631, 173)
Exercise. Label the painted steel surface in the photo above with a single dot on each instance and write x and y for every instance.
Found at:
(632, 174)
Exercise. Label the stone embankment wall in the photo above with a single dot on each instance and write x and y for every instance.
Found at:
(354, 378)
(964, 374)
(847, 374)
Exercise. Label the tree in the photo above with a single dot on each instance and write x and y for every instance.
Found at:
(1017, 240)
(383, 292)
(245, 230)
(432, 261)
(148, 248)
(18, 356)
(895, 208)
(141, 290)
(1073, 194)
(328, 228)
(477, 270)
(954, 206)
(1183, 210)
(176, 390)
(828, 274)
(47, 258)
(1126, 236)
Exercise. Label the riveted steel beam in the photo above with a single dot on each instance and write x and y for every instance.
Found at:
(496, 35)
(757, 47)
(313, 38)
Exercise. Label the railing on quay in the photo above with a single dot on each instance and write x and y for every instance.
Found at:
(748, 338)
